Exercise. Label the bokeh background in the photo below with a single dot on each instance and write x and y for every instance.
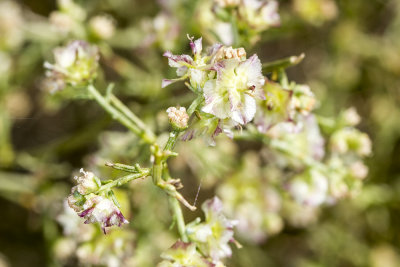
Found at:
(352, 59)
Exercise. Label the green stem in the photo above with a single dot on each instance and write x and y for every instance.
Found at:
(282, 63)
(180, 222)
(125, 179)
(173, 137)
(117, 115)
(130, 115)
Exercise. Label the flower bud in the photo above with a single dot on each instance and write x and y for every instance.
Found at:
(359, 170)
(351, 117)
(102, 27)
(87, 183)
(350, 139)
(178, 118)
(303, 100)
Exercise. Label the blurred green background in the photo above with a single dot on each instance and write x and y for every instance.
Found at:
(352, 59)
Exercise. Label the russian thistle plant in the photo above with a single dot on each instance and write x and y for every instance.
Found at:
(297, 170)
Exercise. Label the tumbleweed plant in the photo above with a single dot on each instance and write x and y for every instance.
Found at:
(192, 145)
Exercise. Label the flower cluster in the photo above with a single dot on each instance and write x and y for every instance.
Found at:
(228, 82)
(75, 64)
(94, 207)
(88, 245)
(229, 20)
(209, 240)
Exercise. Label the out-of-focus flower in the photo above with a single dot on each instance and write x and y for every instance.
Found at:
(163, 31)
(183, 255)
(259, 14)
(102, 27)
(235, 21)
(253, 202)
(72, 9)
(351, 117)
(351, 140)
(213, 235)
(359, 170)
(62, 22)
(274, 109)
(178, 118)
(309, 189)
(11, 22)
(227, 3)
(75, 64)
(303, 100)
(316, 11)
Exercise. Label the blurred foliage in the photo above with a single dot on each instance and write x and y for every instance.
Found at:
(352, 59)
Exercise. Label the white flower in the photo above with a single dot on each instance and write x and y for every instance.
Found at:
(75, 63)
(310, 190)
(260, 15)
(98, 209)
(183, 254)
(213, 236)
(232, 94)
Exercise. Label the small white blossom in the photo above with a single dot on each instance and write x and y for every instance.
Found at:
(98, 209)
(232, 94)
(351, 117)
(359, 170)
(310, 190)
(183, 254)
(213, 236)
(260, 14)
(75, 63)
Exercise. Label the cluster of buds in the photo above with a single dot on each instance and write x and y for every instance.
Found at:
(178, 118)
(93, 206)
(228, 82)
(348, 140)
(229, 19)
(75, 64)
(209, 240)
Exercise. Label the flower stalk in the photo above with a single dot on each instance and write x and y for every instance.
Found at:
(124, 180)
(132, 122)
